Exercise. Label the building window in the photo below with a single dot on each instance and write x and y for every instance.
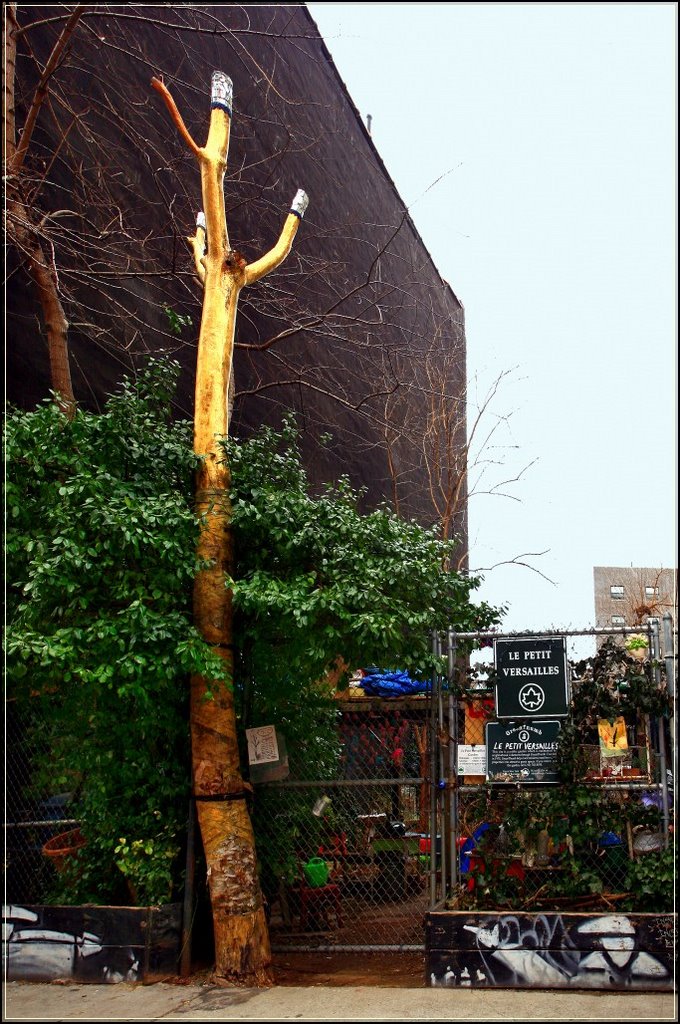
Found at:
(616, 592)
(618, 620)
(651, 591)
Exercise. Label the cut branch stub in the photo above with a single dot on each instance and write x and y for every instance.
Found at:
(222, 92)
(197, 244)
(271, 260)
(300, 203)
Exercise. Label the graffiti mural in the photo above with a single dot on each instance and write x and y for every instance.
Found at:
(101, 945)
(32, 952)
(610, 951)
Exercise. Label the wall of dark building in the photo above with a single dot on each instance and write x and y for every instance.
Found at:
(348, 330)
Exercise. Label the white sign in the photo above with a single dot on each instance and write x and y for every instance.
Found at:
(471, 759)
(262, 745)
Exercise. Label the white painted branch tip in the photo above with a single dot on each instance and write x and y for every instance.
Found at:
(200, 220)
(300, 203)
(222, 91)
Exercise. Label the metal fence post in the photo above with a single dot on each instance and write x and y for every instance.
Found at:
(188, 902)
(442, 802)
(452, 779)
(669, 659)
(433, 779)
(661, 726)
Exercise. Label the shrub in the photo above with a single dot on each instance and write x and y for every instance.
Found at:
(100, 559)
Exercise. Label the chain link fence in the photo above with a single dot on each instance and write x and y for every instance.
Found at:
(354, 861)
(601, 840)
(530, 851)
(346, 862)
(34, 812)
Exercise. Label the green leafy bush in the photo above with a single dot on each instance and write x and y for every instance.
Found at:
(100, 563)
(321, 583)
(100, 560)
(580, 867)
(651, 881)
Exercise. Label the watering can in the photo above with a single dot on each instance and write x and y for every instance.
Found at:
(316, 872)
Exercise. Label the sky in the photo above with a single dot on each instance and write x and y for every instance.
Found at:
(535, 146)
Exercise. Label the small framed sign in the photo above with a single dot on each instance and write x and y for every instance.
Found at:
(267, 755)
(262, 745)
(471, 759)
(531, 677)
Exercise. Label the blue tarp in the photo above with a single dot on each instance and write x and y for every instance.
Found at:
(381, 683)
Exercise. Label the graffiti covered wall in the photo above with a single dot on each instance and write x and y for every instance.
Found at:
(611, 951)
(90, 944)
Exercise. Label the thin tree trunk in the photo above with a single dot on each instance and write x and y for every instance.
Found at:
(44, 276)
(22, 228)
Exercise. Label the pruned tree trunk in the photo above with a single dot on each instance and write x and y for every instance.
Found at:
(242, 951)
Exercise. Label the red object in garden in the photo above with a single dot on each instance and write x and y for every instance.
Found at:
(59, 849)
(482, 710)
(322, 899)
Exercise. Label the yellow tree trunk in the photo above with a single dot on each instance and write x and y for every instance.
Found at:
(242, 951)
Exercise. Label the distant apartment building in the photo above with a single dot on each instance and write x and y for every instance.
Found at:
(628, 596)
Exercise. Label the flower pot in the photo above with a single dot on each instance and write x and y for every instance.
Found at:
(59, 849)
(639, 653)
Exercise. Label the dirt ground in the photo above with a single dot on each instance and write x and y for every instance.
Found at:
(387, 970)
(309, 969)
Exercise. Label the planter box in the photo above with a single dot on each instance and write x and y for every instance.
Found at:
(91, 944)
(613, 952)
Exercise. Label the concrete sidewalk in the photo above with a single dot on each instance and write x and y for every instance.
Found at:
(31, 1001)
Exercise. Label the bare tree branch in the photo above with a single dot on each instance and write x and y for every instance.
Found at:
(519, 560)
(16, 159)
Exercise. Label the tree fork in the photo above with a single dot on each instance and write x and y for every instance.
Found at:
(242, 951)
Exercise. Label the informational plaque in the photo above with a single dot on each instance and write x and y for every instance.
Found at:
(522, 751)
(471, 759)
